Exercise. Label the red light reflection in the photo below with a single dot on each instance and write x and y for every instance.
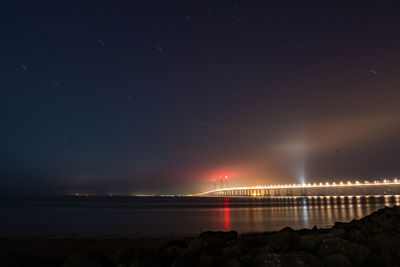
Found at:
(227, 219)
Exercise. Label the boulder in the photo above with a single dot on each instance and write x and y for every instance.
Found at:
(184, 262)
(263, 250)
(172, 253)
(355, 235)
(219, 235)
(145, 263)
(294, 259)
(269, 260)
(311, 242)
(233, 252)
(246, 259)
(303, 259)
(342, 225)
(386, 247)
(197, 245)
(231, 263)
(124, 256)
(284, 240)
(357, 253)
(205, 260)
(81, 260)
(173, 243)
(336, 233)
(256, 240)
(31, 261)
(146, 254)
(335, 260)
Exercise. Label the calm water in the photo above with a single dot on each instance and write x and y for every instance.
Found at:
(152, 216)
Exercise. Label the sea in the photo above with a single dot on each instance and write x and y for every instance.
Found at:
(130, 217)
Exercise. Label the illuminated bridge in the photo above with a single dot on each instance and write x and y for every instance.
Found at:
(385, 187)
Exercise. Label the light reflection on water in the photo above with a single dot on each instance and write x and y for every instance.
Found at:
(149, 216)
(305, 212)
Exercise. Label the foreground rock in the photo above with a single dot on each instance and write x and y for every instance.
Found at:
(371, 241)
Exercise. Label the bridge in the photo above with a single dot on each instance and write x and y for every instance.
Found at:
(385, 187)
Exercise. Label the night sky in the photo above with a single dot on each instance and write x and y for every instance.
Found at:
(142, 96)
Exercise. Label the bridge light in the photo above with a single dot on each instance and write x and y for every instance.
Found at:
(395, 180)
(385, 181)
(357, 182)
(348, 182)
(341, 183)
(327, 183)
(320, 183)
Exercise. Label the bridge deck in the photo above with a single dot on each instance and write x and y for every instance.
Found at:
(367, 188)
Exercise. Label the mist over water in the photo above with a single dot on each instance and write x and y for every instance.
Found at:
(155, 216)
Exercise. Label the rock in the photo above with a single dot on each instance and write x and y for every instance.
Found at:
(184, 262)
(173, 243)
(357, 253)
(256, 240)
(219, 235)
(357, 236)
(231, 263)
(124, 256)
(245, 259)
(287, 228)
(81, 260)
(172, 253)
(263, 250)
(342, 225)
(337, 260)
(303, 259)
(145, 263)
(146, 254)
(386, 248)
(284, 240)
(336, 233)
(31, 261)
(294, 259)
(311, 242)
(232, 252)
(196, 245)
(205, 260)
(268, 260)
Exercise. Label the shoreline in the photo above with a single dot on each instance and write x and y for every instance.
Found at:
(371, 240)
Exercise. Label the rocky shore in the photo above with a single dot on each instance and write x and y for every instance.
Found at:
(371, 241)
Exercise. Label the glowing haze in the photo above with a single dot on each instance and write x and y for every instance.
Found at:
(134, 97)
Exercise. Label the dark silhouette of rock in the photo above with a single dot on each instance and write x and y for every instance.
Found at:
(357, 253)
(184, 262)
(284, 240)
(231, 263)
(294, 259)
(31, 261)
(221, 236)
(300, 259)
(81, 260)
(336, 260)
(311, 242)
(124, 256)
